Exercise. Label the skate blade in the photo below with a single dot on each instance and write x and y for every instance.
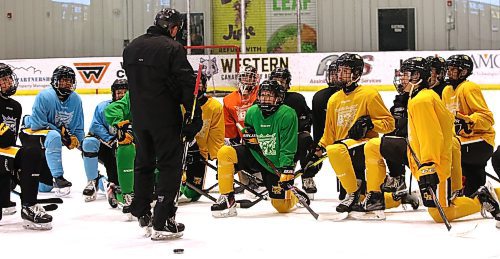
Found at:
(62, 192)
(129, 217)
(373, 215)
(225, 213)
(148, 231)
(164, 235)
(90, 198)
(9, 211)
(36, 226)
(335, 216)
(498, 224)
(311, 196)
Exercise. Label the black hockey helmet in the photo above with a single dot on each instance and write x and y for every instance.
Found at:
(356, 64)
(414, 65)
(167, 18)
(118, 84)
(281, 75)
(8, 80)
(439, 65)
(63, 73)
(270, 97)
(247, 80)
(331, 76)
(462, 62)
(203, 83)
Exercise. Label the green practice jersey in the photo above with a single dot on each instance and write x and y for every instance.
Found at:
(277, 135)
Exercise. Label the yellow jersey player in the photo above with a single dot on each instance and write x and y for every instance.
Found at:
(430, 136)
(354, 115)
(208, 142)
(473, 121)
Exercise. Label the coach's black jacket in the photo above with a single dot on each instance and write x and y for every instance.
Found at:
(160, 78)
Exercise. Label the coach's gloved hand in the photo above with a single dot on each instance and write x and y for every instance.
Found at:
(463, 125)
(124, 133)
(286, 177)
(191, 127)
(250, 138)
(69, 140)
(428, 179)
(360, 127)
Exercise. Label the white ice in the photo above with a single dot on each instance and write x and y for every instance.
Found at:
(94, 230)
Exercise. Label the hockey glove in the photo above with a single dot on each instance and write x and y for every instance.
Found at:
(463, 125)
(313, 155)
(428, 179)
(360, 127)
(69, 140)
(191, 128)
(286, 177)
(250, 138)
(124, 133)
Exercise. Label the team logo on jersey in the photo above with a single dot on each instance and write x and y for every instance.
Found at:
(345, 115)
(10, 122)
(92, 72)
(64, 118)
(209, 67)
(268, 143)
(454, 105)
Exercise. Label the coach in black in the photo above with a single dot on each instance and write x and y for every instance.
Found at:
(160, 80)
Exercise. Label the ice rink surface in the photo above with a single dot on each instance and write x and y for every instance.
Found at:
(94, 230)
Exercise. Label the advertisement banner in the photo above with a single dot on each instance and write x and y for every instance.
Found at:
(282, 26)
(95, 75)
(227, 25)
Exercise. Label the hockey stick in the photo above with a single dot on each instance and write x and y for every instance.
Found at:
(433, 195)
(244, 203)
(190, 119)
(492, 177)
(301, 171)
(51, 202)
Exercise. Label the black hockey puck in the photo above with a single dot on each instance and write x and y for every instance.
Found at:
(178, 251)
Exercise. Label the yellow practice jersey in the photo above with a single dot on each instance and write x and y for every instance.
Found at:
(211, 136)
(344, 109)
(468, 100)
(430, 132)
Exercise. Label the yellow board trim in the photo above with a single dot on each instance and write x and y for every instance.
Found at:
(296, 88)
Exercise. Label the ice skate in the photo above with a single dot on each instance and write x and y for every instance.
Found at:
(35, 218)
(309, 186)
(62, 187)
(172, 230)
(225, 206)
(11, 210)
(90, 191)
(372, 208)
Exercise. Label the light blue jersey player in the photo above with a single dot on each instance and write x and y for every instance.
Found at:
(56, 120)
(99, 146)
